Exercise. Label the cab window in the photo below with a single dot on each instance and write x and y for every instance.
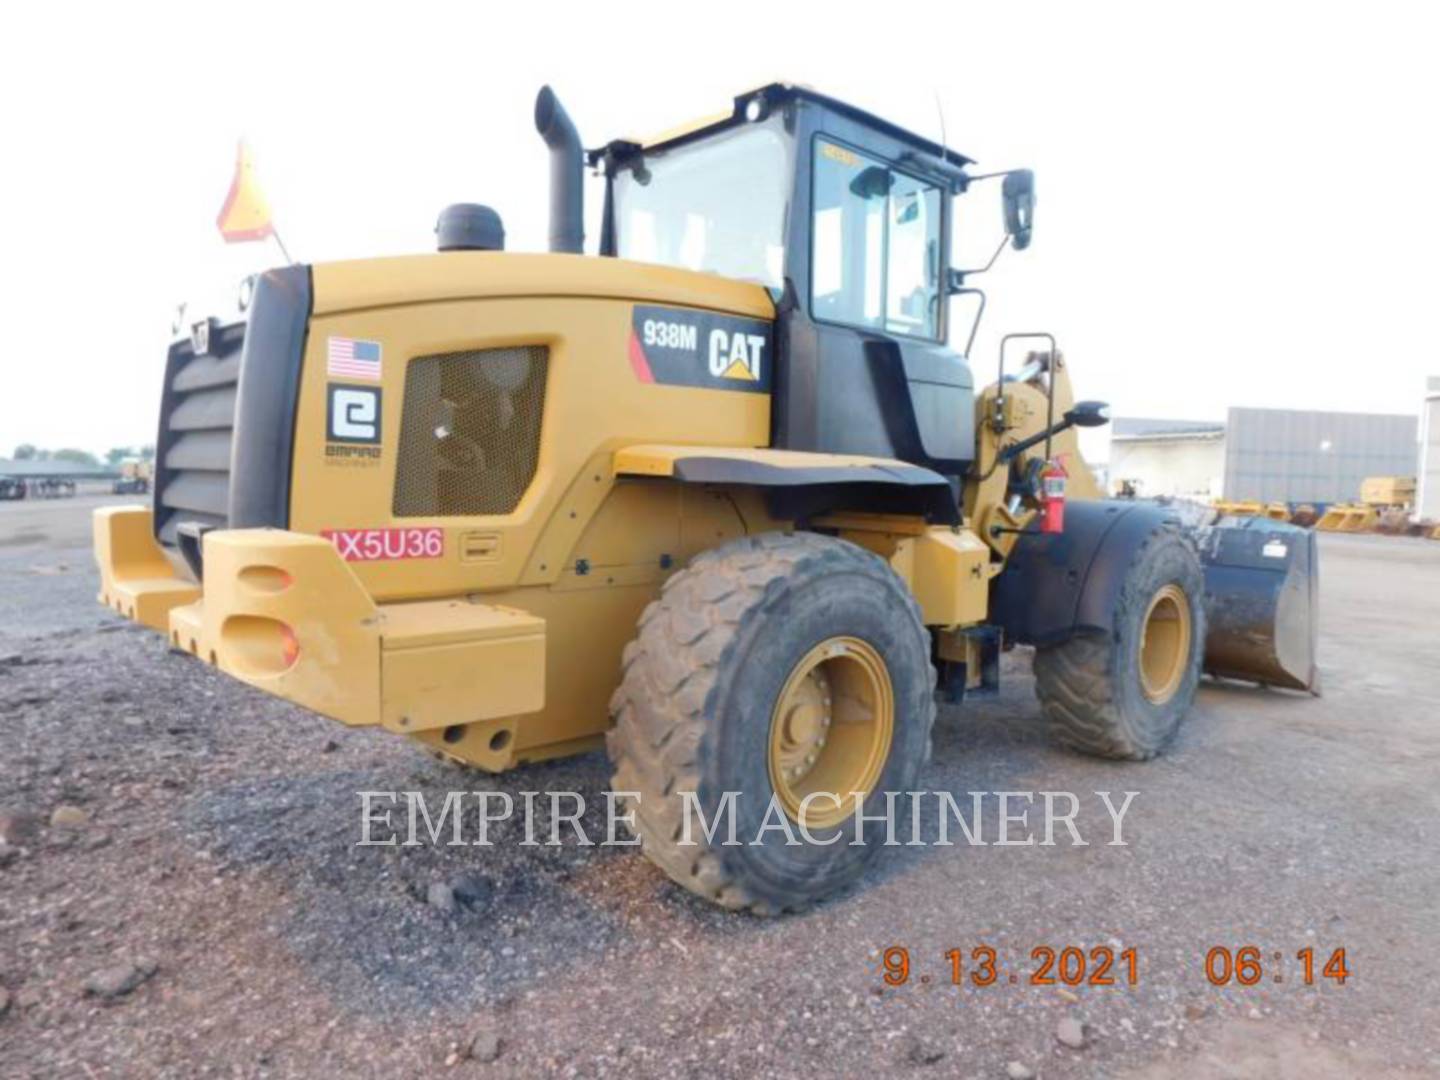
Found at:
(875, 245)
(715, 205)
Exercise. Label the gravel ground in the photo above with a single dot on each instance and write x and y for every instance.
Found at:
(182, 894)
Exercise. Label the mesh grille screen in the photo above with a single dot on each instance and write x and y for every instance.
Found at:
(470, 431)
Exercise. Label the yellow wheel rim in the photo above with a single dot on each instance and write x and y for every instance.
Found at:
(831, 729)
(1165, 644)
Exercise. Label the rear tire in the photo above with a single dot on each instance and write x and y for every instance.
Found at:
(1122, 695)
(699, 706)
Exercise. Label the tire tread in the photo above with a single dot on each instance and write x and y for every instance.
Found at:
(661, 709)
(1076, 680)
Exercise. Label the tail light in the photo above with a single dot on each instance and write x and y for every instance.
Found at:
(257, 645)
(289, 647)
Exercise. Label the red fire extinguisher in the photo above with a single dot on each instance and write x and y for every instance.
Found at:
(1052, 497)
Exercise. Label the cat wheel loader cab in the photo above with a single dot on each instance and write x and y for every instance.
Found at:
(722, 498)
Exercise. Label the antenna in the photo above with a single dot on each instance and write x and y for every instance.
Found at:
(940, 108)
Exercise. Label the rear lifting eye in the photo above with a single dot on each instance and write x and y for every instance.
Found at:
(265, 579)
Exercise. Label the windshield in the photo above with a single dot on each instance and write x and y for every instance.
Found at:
(716, 205)
(876, 236)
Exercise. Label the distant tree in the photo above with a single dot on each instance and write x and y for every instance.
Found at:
(116, 454)
(25, 452)
(78, 457)
(147, 453)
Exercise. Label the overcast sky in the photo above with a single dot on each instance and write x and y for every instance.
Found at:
(1236, 201)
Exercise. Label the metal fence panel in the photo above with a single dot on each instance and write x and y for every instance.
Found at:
(1293, 455)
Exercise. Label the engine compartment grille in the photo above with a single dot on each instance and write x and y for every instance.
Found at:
(470, 431)
(197, 421)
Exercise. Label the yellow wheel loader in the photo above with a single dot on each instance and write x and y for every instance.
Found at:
(719, 498)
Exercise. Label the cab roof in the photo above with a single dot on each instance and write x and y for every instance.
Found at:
(771, 95)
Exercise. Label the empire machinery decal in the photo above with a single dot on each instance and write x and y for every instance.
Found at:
(682, 347)
(352, 424)
(374, 545)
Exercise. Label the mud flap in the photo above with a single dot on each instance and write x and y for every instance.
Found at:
(1261, 582)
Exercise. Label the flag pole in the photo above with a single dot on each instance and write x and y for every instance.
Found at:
(276, 234)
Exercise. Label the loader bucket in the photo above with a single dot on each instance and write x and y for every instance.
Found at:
(1240, 509)
(1361, 519)
(1261, 580)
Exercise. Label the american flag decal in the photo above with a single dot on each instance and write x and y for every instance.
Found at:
(351, 359)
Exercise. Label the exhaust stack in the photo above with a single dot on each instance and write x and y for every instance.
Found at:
(567, 170)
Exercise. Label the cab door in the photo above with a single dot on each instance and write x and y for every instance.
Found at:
(866, 368)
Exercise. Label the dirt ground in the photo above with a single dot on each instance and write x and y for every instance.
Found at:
(208, 878)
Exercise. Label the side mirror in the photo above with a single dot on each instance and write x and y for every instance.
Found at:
(1018, 192)
(1088, 414)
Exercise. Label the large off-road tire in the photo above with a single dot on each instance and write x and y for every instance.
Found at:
(1123, 694)
(811, 623)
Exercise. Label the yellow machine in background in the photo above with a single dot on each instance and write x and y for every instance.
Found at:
(134, 479)
(1241, 508)
(721, 498)
(1275, 511)
(1348, 517)
(1385, 505)
(1388, 491)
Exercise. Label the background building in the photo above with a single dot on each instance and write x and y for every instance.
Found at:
(1427, 498)
(29, 468)
(1269, 455)
(1167, 457)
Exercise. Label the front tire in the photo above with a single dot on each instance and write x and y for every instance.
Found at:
(773, 666)
(1122, 695)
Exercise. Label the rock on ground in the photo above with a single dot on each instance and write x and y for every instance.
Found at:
(68, 817)
(1071, 1033)
(441, 897)
(921, 1051)
(117, 981)
(18, 828)
(485, 1046)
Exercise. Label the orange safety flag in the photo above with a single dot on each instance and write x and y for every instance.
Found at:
(246, 214)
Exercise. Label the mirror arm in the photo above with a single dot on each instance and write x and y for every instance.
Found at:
(971, 178)
(957, 277)
(1077, 417)
(1014, 450)
(965, 290)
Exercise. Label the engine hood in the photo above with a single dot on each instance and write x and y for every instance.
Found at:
(469, 275)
